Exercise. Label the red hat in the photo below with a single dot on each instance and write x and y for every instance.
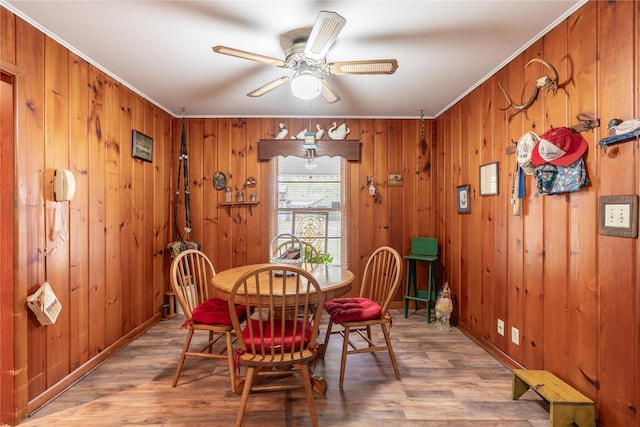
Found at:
(559, 146)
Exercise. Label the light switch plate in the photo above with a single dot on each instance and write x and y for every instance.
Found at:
(515, 336)
(617, 215)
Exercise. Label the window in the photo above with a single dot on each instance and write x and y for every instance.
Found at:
(309, 201)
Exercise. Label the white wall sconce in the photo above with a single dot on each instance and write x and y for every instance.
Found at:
(371, 185)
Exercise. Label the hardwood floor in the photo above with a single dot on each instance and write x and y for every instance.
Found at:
(447, 380)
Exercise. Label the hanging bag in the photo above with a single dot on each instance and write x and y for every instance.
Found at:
(182, 243)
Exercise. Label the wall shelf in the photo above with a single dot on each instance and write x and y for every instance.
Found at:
(229, 205)
(347, 148)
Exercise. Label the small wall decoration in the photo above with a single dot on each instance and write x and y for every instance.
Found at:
(142, 146)
(618, 216)
(489, 179)
(395, 180)
(463, 199)
(219, 180)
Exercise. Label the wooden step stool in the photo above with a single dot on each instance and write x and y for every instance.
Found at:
(567, 405)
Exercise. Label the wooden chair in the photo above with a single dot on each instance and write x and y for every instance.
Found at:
(191, 274)
(379, 284)
(275, 342)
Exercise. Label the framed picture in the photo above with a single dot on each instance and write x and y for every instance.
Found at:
(489, 179)
(464, 205)
(395, 180)
(142, 146)
(618, 216)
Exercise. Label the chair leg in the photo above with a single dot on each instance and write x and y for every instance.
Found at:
(230, 361)
(345, 348)
(326, 340)
(245, 395)
(306, 378)
(385, 332)
(185, 348)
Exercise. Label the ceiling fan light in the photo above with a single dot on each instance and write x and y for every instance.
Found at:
(306, 86)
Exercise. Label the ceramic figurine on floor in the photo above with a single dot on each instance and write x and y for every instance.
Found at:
(444, 308)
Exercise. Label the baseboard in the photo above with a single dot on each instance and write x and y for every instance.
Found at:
(75, 376)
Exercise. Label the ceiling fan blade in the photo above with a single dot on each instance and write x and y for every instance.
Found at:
(324, 32)
(269, 86)
(376, 66)
(327, 93)
(249, 55)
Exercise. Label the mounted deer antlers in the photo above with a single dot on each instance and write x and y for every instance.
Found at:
(549, 83)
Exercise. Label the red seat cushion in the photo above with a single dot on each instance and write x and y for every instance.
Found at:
(352, 309)
(274, 339)
(215, 311)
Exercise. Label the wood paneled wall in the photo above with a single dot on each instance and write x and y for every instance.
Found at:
(105, 249)
(573, 294)
(236, 235)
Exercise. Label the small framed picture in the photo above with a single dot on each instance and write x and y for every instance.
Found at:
(395, 180)
(142, 146)
(489, 179)
(618, 216)
(464, 205)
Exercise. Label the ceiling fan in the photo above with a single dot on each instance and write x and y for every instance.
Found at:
(306, 56)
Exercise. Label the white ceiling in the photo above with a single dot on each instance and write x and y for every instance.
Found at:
(162, 49)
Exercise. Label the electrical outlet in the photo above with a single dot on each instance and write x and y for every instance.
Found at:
(501, 327)
(515, 336)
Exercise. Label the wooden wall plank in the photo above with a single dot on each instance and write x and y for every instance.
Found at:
(113, 145)
(502, 212)
(139, 280)
(162, 210)
(238, 175)
(197, 177)
(7, 36)
(556, 223)
(380, 203)
(78, 222)
(583, 210)
(256, 238)
(224, 248)
(30, 108)
(96, 175)
(515, 225)
(151, 298)
(488, 153)
(209, 238)
(532, 330)
(56, 147)
(473, 244)
(616, 175)
(454, 237)
(125, 213)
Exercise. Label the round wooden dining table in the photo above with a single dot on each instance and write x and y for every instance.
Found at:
(333, 280)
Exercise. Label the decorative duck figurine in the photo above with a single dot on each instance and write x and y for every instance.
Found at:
(338, 132)
(300, 134)
(282, 131)
(319, 132)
